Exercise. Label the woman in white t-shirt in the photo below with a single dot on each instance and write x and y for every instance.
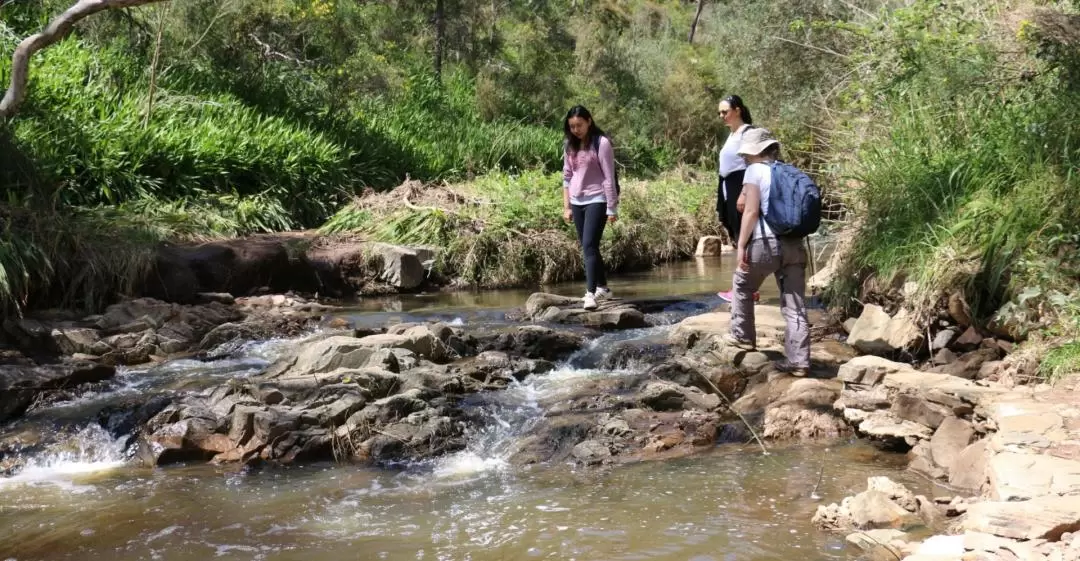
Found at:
(761, 254)
(737, 118)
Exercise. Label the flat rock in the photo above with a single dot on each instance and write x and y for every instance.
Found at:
(609, 314)
(869, 370)
(882, 424)
(707, 328)
(1016, 476)
(1041, 518)
(942, 388)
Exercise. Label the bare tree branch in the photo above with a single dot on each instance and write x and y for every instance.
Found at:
(57, 29)
(697, 16)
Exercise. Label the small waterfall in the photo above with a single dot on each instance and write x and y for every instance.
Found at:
(91, 449)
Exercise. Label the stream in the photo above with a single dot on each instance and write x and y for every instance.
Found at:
(84, 499)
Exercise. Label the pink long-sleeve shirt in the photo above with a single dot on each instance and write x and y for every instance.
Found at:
(589, 176)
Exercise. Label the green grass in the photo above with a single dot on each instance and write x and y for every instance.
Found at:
(958, 187)
(504, 230)
(1060, 362)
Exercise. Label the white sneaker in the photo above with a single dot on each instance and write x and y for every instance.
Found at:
(589, 301)
(603, 293)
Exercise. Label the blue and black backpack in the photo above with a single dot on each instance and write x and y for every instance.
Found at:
(794, 202)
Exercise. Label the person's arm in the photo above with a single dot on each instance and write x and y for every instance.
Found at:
(607, 165)
(752, 194)
(567, 168)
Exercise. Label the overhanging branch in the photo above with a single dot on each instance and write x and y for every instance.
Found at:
(57, 29)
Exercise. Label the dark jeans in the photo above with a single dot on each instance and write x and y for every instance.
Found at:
(590, 221)
(729, 215)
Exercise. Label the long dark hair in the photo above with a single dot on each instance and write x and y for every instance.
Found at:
(735, 102)
(579, 111)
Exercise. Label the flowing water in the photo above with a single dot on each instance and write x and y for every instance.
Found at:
(80, 498)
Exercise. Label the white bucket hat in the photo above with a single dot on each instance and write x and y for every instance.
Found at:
(755, 140)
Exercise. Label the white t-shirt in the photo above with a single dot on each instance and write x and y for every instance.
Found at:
(730, 160)
(760, 175)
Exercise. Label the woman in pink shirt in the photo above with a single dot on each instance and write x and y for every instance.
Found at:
(590, 194)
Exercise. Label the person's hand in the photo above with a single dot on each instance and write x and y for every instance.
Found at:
(612, 218)
(744, 259)
(567, 214)
(740, 204)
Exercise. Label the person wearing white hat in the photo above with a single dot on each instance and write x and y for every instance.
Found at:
(762, 253)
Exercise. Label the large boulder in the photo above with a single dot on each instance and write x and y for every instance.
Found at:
(876, 332)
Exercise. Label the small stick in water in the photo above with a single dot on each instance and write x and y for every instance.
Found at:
(764, 450)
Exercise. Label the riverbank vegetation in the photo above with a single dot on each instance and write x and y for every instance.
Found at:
(944, 134)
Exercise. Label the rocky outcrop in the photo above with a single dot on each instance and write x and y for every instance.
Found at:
(21, 385)
(144, 330)
(373, 398)
(1019, 449)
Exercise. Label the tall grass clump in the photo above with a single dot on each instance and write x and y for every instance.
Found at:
(505, 230)
(956, 184)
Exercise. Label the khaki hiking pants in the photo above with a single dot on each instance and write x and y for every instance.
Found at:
(785, 258)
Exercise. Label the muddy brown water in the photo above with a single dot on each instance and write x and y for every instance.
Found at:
(81, 499)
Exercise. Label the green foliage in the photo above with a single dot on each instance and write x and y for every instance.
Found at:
(505, 230)
(962, 187)
(1061, 361)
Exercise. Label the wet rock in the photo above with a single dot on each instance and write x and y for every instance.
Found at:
(531, 342)
(876, 332)
(591, 452)
(666, 396)
(496, 369)
(609, 315)
(634, 354)
(711, 246)
(20, 385)
(794, 408)
(694, 371)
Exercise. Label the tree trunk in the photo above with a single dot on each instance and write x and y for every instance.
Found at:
(57, 29)
(697, 16)
(440, 37)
